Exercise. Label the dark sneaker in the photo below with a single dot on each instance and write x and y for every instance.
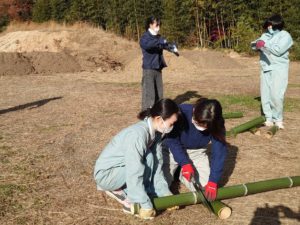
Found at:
(120, 196)
(127, 209)
(132, 209)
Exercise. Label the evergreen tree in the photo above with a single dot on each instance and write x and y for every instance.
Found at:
(3, 22)
(59, 9)
(205, 23)
(41, 11)
(177, 19)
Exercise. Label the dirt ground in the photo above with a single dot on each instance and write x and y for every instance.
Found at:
(54, 124)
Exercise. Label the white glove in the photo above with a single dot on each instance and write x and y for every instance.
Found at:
(146, 214)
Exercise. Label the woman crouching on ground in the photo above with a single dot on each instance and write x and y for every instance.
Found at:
(186, 146)
(129, 169)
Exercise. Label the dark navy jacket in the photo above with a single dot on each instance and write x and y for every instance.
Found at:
(188, 137)
(152, 49)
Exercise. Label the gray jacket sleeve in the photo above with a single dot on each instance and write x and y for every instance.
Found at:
(135, 168)
(281, 46)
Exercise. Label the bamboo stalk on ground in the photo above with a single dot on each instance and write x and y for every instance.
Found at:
(246, 126)
(232, 115)
(235, 191)
(272, 131)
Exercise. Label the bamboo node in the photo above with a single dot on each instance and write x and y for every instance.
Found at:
(246, 189)
(291, 180)
(195, 197)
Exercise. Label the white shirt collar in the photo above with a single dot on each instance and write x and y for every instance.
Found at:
(151, 128)
(152, 32)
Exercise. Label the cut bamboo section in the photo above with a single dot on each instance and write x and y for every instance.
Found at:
(232, 115)
(272, 131)
(241, 190)
(221, 210)
(246, 126)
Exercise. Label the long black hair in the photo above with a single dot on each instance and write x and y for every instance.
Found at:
(276, 21)
(209, 112)
(151, 20)
(164, 108)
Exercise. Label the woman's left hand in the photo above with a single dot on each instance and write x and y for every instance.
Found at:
(260, 44)
(211, 191)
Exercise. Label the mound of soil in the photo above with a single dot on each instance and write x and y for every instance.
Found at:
(34, 41)
(89, 61)
(37, 63)
(207, 59)
(15, 63)
(54, 62)
(45, 52)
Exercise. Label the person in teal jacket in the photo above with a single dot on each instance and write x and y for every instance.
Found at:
(129, 169)
(274, 47)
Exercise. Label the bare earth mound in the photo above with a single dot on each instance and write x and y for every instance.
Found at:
(44, 52)
(37, 63)
(207, 59)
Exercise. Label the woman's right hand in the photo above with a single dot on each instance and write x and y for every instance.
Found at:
(187, 172)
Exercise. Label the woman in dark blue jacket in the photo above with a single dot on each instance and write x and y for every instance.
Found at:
(152, 45)
(199, 125)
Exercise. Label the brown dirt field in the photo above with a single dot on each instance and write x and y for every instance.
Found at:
(54, 125)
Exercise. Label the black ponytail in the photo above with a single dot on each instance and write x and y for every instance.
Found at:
(164, 108)
(143, 114)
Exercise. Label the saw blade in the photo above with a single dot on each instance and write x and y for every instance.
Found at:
(203, 199)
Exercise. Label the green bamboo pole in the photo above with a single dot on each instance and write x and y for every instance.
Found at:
(246, 126)
(232, 115)
(191, 198)
(257, 187)
(272, 131)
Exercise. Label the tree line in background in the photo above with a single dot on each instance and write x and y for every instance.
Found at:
(230, 24)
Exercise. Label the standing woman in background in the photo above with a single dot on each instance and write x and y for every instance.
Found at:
(152, 45)
(274, 47)
(129, 167)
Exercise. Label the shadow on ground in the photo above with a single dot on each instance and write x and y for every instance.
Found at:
(272, 215)
(229, 164)
(186, 96)
(30, 105)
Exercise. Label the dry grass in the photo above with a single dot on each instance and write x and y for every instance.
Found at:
(49, 26)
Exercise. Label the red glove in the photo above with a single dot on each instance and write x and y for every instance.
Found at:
(187, 171)
(260, 44)
(211, 191)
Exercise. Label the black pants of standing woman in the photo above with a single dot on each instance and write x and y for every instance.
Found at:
(152, 87)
